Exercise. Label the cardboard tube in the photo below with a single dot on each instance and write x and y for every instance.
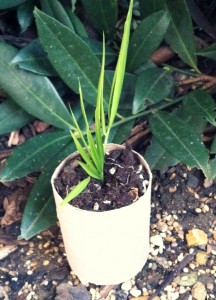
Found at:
(106, 247)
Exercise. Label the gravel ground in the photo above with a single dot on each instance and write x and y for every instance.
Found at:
(181, 264)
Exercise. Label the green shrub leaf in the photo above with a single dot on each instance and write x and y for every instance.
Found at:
(25, 15)
(5, 4)
(70, 56)
(153, 84)
(55, 9)
(33, 93)
(209, 52)
(102, 14)
(97, 46)
(12, 117)
(149, 7)
(146, 39)
(33, 58)
(34, 154)
(180, 140)
(201, 104)
(213, 146)
(180, 35)
(158, 158)
(40, 211)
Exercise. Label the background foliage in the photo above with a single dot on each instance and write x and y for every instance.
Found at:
(38, 73)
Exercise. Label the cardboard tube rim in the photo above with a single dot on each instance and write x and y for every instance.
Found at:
(110, 147)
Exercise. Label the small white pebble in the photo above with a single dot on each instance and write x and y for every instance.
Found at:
(135, 292)
(126, 286)
(29, 272)
(180, 257)
(96, 206)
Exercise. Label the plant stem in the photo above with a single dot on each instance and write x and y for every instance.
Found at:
(186, 72)
(146, 112)
(143, 113)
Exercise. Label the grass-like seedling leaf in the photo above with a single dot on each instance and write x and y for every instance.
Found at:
(76, 190)
(92, 148)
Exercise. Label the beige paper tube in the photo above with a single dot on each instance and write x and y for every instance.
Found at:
(106, 247)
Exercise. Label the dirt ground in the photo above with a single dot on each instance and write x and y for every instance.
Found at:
(181, 201)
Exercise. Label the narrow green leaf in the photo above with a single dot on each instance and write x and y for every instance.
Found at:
(179, 140)
(34, 154)
(153, 84)
(76, 190)
(55, 9)
(118, 78)
(97, 47)
(209, 52)
(201, 104)
(5, 4)
(102, 14)
(12, 117)
(128, 89)
(33, 58)
(34, 93)
(149, 7)
(70, 56)
(180, 34)
(146, 38)
(158, 158)
(91, 172)
(40, 211)
(83, 153)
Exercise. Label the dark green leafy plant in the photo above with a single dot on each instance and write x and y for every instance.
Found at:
(64, 51)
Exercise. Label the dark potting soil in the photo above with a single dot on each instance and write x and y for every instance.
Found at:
(124, 182)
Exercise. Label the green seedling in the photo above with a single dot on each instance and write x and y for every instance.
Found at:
(92, 148)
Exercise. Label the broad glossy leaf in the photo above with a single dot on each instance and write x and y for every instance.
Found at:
(201, 104)
(121, 132)
(78, 26)
(158, 158)
(102, 14)
(54, 9)
(34, 93)
(213, 146)
(40, 211)
(200, 18)
(212, 165)
(209, 52)
(34, 154)
(146, 38)
(33, 58)
(25, 15)
(4, 4)
(12, 117)
(149, 7)
(70, 56)
(179, 140)
(153, 84)
(197, 122)
(180, 34)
